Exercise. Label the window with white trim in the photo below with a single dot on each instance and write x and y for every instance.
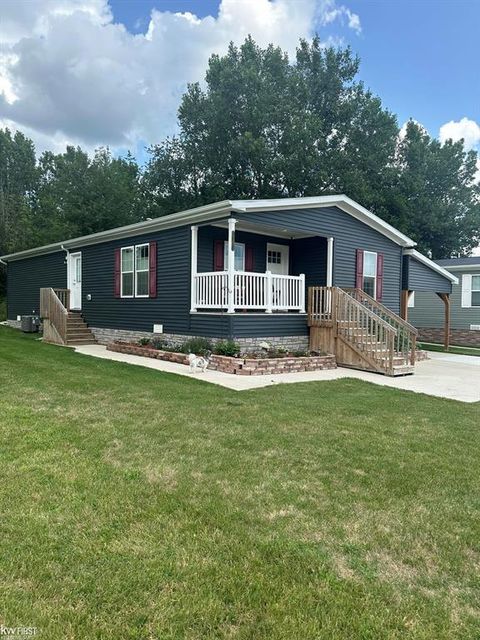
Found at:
(239, 250)
(370, 273)
(127, 272)
(475, 291)
(411, 299)
(141, 270)
(134, 271)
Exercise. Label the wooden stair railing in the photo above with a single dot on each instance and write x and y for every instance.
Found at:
(406, 339)
(365, 332)
(374, 342)
(54, 304)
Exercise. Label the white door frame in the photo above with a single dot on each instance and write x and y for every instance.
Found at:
(285, 251)
(74, 286)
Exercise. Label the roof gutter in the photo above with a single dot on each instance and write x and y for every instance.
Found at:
(192, 216)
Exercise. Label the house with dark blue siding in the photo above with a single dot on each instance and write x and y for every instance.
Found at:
(236, 269)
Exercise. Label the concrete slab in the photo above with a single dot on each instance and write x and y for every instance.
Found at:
(444, 376)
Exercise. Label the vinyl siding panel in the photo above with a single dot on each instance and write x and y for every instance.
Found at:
(429, 309)
(26, 277)
(349, 235)
(419, 277)
(206, 242)
(171, 307)
(269, 325)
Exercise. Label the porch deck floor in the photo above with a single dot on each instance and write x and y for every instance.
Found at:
(444, 375)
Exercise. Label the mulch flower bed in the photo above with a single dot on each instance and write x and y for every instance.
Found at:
(242, 365)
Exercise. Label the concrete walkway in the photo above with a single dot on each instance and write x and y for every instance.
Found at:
(446, 375)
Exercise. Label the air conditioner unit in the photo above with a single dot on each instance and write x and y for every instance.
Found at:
(158, 328)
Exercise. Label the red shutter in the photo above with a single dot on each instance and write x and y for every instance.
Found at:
(359, 270)
(218, 255)
(249, 258)
(116, 274)
(379, 276)
(152, 270)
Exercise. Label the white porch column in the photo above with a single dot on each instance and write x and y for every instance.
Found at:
(302, 293)
(329, 262)
(231, 265)
(193, 270)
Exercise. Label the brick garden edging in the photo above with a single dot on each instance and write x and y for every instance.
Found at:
(240, 366)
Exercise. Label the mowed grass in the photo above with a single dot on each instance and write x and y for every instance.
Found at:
(465, 351)
(135, 504)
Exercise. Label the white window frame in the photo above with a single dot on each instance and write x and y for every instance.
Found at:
(472, 291)
(225, 254)
(122, 249)
(372, 253)
(136, 271)
(411, 300)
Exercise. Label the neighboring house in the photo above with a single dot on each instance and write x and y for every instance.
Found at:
(230, 270)
(426, 311)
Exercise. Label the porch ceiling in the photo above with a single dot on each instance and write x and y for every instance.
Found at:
(265, 230)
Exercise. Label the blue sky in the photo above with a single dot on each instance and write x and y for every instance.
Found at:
(112, 72)
(420, 56)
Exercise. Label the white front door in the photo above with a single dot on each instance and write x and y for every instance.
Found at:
(75, 280)
(278, 259)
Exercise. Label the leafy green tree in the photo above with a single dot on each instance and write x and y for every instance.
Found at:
(18, 176)
(77, 195)
(263, 128)
(435, 198)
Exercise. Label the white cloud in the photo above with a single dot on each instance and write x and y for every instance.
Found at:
(69, 72)
(467, 129)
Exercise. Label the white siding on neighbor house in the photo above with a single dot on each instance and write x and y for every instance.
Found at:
(429, 309)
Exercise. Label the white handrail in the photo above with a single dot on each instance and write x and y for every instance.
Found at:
(251, 291)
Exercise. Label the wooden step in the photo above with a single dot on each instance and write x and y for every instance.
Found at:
(403, 370)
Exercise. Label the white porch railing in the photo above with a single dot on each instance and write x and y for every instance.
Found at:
(253, 291)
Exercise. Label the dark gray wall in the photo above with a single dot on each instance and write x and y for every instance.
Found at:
(171, 307)
(349, 235)
(206, 242)
(26, 277)
(419, 277)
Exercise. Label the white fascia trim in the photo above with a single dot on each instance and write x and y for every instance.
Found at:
(341, 201)
(464, 267)
(191, 216)
(431, 264)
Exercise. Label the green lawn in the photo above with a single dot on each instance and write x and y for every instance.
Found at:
(464, 351)
(136, 504)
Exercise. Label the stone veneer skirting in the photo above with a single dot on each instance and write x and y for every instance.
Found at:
(15, 324)
(290, 343)
(460, 337)
(239, 366)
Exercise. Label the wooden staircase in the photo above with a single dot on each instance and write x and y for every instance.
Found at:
(360, 331)
(77, 330)
(61, 326)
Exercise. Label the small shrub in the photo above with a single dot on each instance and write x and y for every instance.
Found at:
(158, 343)
(300, 353)
(144, 342)
(3, 309)
(198, 346)
(227, 348)
(278, 352)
